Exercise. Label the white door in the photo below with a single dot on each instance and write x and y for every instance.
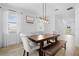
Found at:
(12, 28)
(9, 28)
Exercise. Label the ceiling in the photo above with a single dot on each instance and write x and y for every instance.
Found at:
(37, 8)
(36, 5)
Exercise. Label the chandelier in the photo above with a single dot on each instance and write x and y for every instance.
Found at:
(44, 18)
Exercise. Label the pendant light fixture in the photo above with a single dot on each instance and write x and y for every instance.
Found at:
(44, 18)
(44, 13)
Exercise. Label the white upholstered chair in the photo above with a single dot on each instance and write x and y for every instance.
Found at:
(28, 45)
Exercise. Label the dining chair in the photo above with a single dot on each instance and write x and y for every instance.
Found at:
(28, 45)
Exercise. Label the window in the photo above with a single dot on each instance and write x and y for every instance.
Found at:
(12, 22)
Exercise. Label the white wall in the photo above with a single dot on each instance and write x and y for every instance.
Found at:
(0, 27)
(5, 37)
(59, 26)
(64, 20)
(77, 25)
(27, 28)
(50, 26)
(3, 28)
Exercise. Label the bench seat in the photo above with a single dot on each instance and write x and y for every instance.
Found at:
(53, 48)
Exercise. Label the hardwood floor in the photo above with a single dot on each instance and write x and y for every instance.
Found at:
(17, 50)
(14, 50)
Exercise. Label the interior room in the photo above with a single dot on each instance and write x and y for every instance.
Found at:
(39, 29)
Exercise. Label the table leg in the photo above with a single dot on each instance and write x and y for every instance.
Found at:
(56, 39)
(40, 50)
(48, 41)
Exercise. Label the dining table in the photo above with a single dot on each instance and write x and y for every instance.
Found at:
(41, 38)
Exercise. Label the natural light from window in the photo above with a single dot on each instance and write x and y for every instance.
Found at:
(12, 23)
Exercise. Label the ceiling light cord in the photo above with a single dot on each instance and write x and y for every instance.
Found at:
(44, 18)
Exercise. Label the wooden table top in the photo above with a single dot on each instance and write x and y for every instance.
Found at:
(43, 37)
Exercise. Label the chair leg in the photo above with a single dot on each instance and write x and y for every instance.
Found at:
(27, 53)
(65, 46)
(48, 41)
(44, 54)
(24, 53)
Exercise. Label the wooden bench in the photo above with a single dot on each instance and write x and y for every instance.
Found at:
(53, 48)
